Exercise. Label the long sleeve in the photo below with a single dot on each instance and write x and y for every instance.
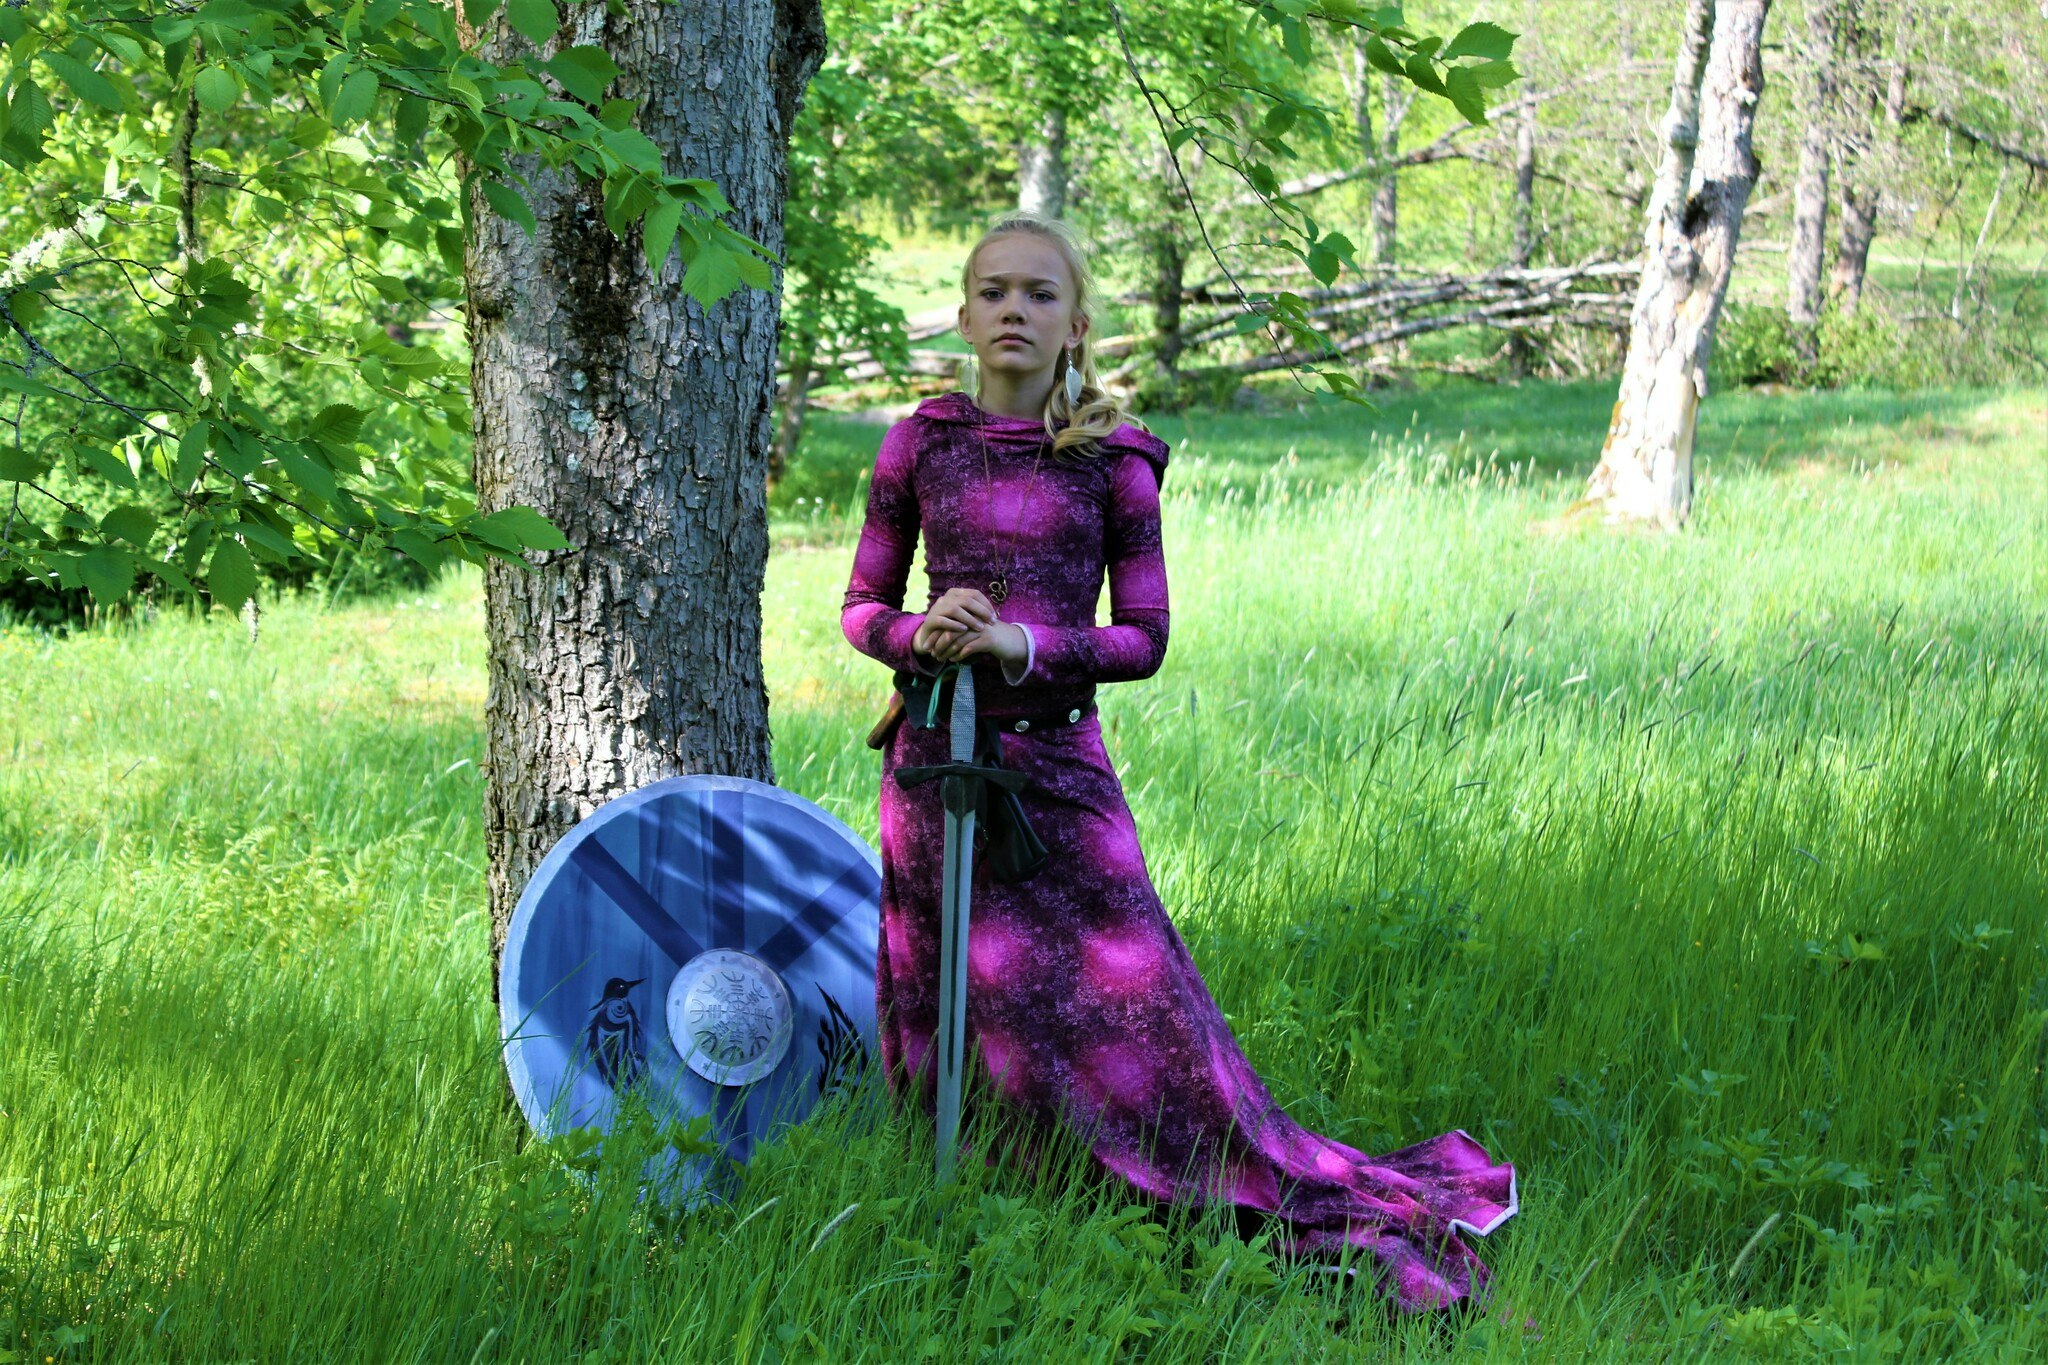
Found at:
(872, 616)
(1133, 644)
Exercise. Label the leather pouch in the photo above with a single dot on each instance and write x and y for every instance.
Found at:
(1015, 852)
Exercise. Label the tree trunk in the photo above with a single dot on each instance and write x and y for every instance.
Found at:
(1386, 194)
(638, 422)
(1042, 168)
(1810, 188)
(1168, 265)
(789, 429)
(1852, 257)
(1519, 349)
(1694, 220)
(1861, 197)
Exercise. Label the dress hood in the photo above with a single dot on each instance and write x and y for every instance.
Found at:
(957, 409)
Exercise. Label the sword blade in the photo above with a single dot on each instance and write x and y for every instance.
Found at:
(955, 915)
(957, 890)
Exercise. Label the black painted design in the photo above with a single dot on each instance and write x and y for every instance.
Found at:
(618, 1045)
(843, 1054)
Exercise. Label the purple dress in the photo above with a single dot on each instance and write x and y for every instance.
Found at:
(1083, 1003)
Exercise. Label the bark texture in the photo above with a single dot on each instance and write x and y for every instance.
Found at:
(1169, 267)
(639, 423)
(1386, 194)
(1042, 167)
(1520, 351)
(1852, 255)
(1861, 198)
(1694, 219)
(1810, 186)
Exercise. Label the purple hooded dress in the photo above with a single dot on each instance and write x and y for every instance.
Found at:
(1083, 1004)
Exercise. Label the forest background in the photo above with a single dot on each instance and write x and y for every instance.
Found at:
(1699, 875)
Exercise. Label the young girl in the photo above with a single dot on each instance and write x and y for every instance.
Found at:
(1083, 1004)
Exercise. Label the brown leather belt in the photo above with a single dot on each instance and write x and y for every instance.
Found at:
(899, 707)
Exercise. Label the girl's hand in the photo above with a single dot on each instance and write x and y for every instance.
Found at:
(1004, 641)
(961, 614)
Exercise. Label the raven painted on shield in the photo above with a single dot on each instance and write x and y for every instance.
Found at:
(617, 1043)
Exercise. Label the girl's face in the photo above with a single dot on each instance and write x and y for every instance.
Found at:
(1020, 308)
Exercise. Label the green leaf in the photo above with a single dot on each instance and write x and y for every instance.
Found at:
(755, 272)
(357, 97)
(1323, 263)
(658, 231)
(509, 204)
(1279, 119)
(1294, 36)
(336, 422)
(409, 124)
(192, 453)
(584, 72)
(130, 523)
(479, 12)
(230, 574)
(217, 88)
(536, 20)
(521, 527)
(1494, 75)
(421, 549)
(1423, 74)
(15, 382)
(279, 544)
(108, 572)
(332, 75)
(21, 464)
(1466, 96)
(1382, 56)
(29, 111)
(108, 466)
(711, 275)
(241, 454)
(1490, 41)
(84, 82)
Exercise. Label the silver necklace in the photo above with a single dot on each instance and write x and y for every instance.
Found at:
(999, 586)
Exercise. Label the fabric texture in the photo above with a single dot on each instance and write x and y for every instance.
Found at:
(1084, 1006)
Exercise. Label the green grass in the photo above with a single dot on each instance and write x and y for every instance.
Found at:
(1701, 877)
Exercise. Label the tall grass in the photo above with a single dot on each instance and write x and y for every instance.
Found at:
(1702, 877)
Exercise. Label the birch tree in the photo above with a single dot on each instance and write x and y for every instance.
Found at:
(1694, 219)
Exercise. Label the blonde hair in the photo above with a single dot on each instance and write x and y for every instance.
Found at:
(1075, 428)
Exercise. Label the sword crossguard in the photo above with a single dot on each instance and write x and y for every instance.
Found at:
(961, 780)
(1009, 779)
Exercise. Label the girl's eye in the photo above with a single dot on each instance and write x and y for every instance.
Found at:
(1042, 296)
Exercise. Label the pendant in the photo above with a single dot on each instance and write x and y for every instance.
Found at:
(998, 589)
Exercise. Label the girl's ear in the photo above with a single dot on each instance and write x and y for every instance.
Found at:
(963, 319)
(1078, 330)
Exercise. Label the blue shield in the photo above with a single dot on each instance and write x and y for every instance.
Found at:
(708, 942)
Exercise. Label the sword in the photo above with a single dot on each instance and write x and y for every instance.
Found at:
(960, 789)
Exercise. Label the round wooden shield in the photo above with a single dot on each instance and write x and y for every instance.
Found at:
(706, 941)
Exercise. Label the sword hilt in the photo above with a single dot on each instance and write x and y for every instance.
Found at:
(1009, 779)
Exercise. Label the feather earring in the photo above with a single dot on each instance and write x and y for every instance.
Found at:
(970, 377)
(1073, 381)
